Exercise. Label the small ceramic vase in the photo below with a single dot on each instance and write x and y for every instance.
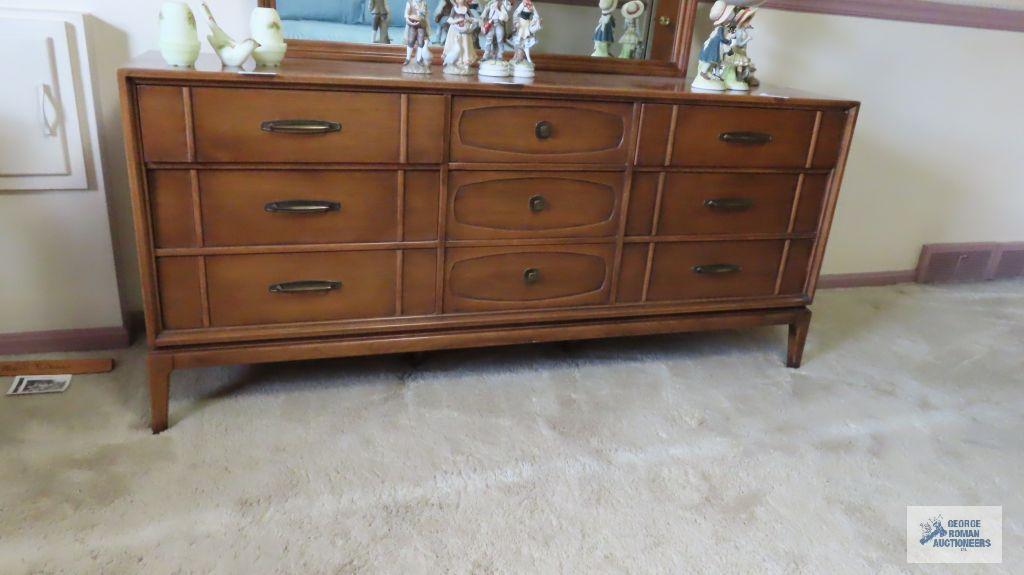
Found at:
(179, 40)
(265, 25)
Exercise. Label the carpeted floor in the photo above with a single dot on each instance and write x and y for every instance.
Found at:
(686, 454)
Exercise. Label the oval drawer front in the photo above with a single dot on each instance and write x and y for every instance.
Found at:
(521, 205)
(723, 136)
(703, 204)
(266, 289)
(504, 130)
(277, 207)
(250, 125)
(511, 278)
(711, 270)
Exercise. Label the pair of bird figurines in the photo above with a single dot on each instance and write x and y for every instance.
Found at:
(179, 39)
(724, 63)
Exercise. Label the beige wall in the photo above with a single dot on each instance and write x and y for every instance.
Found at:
(933, 161)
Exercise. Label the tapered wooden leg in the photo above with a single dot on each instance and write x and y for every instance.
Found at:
(797, 338)
(160, 368)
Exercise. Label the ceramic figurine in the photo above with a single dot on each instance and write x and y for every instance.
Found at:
(441, 14)
(709, 69)
(417, 30)
(381, 20)
(179, 40)
(525, 24)
(265, 25)
(738, 68)
(232, 54)
(459, 52)
(493, 25)
(604, 33)
(630, 39)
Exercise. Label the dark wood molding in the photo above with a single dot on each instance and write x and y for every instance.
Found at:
(923, 11)
(114, 337)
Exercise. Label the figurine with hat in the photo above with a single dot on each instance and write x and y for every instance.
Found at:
(724, 64)
(709, 69)
(739, 68)
(630, 39)
(604, 33)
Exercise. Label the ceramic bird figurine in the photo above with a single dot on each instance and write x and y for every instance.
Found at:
(231, 53)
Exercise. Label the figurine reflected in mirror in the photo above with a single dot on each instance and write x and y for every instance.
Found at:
(417, 29)
(631, 39)
(459, 51)
(525, 24)
(604, 33)
(493, 27)
(441, 14)
(381, 20)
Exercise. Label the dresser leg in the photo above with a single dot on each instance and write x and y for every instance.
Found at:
(160, 367)
(797, 338)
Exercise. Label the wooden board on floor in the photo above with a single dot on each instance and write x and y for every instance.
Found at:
(55, 366)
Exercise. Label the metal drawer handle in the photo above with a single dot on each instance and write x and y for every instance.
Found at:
(543, 130)
(753, 138)
(729, 204)
(305, 286)
(531, 276)
(538, 204)
(716, 269)
(302, 207)
(300, 126)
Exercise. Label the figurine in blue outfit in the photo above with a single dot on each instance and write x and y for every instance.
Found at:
(709, 70)
(604, 34)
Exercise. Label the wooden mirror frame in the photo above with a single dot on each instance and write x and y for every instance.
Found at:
(670, 46)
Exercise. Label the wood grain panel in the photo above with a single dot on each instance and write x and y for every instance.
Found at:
(655, 129)
(812, 200)
(234, 206)
(170, 200)
(228, 126)
(421, 205)
(830, 139)
(685, 208)
(674, 277)
(240, 295)
(426, 129)
(480, 279)
(798, 260)
(632, 273)
(505, 130)
(699, 129)
(418, 281)
(484, 205)
(642, 199)
(162, 119)
(181, 302)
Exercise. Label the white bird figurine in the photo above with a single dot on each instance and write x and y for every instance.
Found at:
(231, 53)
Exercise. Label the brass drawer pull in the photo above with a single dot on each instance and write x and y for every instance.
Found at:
(538, 204)
(300, 126)
(302, 207)
(531, 276)
(716, 269)
(543, 130)
(305, 286)
(729, 204)
(752, 138)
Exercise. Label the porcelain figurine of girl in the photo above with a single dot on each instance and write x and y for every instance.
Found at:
(459, 51)
(709, 69)
(493, 28)
(417, 29)
(630, 39)
(441, 13)
(381, 21)
(738, 73)
(604, 33)
(525, 24)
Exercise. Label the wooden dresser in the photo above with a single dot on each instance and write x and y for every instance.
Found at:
(341, 209)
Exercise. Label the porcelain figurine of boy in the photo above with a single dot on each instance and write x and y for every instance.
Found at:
(525, 24)
(709, 69)
(417, 29)
(630, 39)
(604, 33)
(493, 28)
(441, 13)
(459, 51)
(738, 68)
(381, 21)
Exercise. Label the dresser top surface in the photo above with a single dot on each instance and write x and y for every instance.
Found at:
(295, 71)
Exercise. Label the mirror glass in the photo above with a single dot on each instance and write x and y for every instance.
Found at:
(568, 27)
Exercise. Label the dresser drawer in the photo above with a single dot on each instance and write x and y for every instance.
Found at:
(709, 270)
(724, 136)
(539, 131)
(480, 279)
(718, 204)
(485, 205)
(250, 125)
(273, 288)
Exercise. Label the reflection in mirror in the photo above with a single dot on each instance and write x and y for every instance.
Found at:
(618, 28)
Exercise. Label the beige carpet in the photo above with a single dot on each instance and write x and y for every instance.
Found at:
(684, 454)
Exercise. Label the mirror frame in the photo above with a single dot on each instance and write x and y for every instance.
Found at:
(670, 43)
